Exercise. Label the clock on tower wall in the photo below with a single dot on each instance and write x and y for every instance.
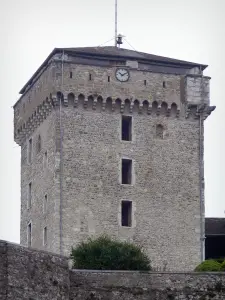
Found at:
(122, 74)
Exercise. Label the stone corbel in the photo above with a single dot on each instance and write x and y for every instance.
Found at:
(122, 106)
(85, 102)
(103, 104)
(95, 102)
(113, 104)
(65, 101)
(75, 101)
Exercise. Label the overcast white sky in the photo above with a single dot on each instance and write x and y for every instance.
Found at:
(191, 30)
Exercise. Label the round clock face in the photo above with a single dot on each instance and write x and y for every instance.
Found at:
(122, 75)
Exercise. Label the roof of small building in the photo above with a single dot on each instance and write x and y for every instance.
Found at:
(214, 226)
(112, 52)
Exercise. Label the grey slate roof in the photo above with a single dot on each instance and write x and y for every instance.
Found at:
(115, 53)
(127, 53)
(214, 226)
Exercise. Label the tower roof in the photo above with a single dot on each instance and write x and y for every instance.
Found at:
(114, 53)
(127, 53)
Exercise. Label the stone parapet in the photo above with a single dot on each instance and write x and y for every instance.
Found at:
(39, 275)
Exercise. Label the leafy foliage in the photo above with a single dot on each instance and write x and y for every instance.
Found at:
(220, 260)
(210, 265)
(222, 266)
(104, 253)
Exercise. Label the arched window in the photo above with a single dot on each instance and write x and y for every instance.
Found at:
(39, 144)
(159, 131)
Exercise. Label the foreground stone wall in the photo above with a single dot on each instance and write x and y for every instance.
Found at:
(37, 275)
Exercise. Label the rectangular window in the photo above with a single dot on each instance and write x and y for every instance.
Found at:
(126, 171)
(126, 213)
(45, 236)
(30, 146)
(29, 200)
(45, 204)
(29, 235)
(126, 128)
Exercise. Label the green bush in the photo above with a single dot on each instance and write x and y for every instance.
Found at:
(208, 266)
(220, 260)
(222, 266)
(104, 253)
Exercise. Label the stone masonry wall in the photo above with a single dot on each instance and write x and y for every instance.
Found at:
(36, 275)
(153, 90)
(165, 188)
(43, 176)
(31, 274)
(164, 191)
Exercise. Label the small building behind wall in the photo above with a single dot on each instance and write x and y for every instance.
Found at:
(215, 238)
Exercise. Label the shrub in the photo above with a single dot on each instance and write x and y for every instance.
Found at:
(104, 253)
(208, 266)
(220, 260)
(222, 266)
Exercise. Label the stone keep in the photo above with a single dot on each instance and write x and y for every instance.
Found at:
(69, 122)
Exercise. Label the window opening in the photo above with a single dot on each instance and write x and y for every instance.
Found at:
(29, 194)
(159, 131)
(45, 203)
(45, 236)
(29, 235)
(126, 171)
(45, 159)
(126, 128)
(30, 146)
(126, 213)
(39, 144)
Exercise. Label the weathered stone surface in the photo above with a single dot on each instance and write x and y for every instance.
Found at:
(34, 274)
(31, 274)
(83, 182)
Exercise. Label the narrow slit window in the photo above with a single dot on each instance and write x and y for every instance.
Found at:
(145, 82)
(29, 235)
(39, 144)
(164, 84)
(126, 128)
(29, 195)
(126, 171)
(45, 159)
(30, 146)
(126, 213)
(71, 74)
(45, 203)
(108, 78)
(45, 236)
(90, 77)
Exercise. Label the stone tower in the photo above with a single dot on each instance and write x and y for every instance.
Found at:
(112, 142)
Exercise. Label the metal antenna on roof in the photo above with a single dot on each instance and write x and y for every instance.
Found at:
(115, 23)
(118, 37)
